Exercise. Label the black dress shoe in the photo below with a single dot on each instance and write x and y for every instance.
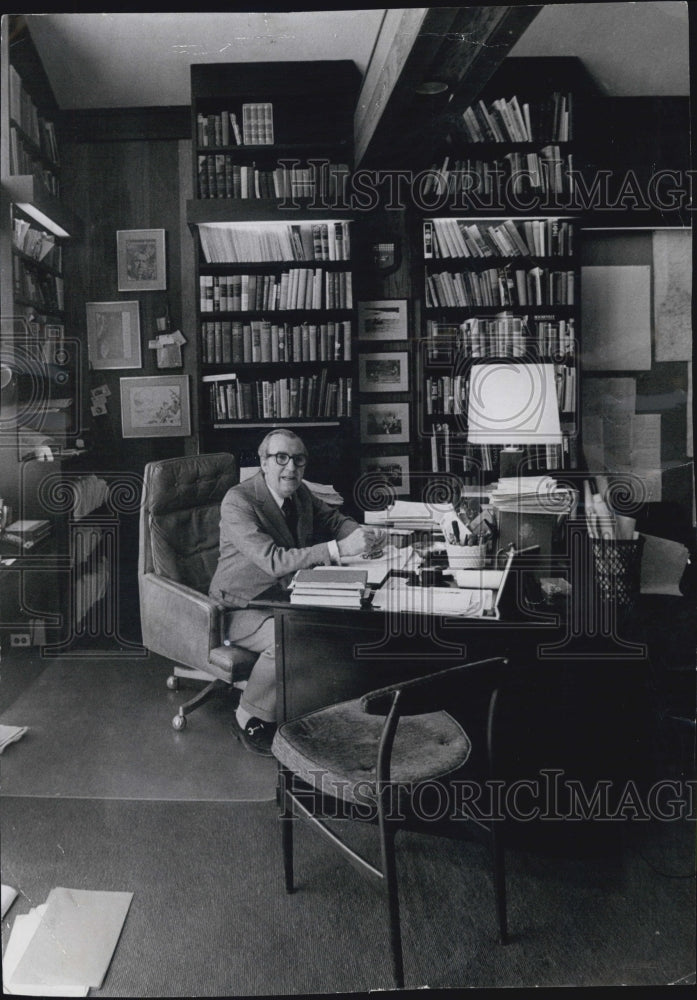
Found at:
(256, 735)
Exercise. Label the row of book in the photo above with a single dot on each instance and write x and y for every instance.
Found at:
(547, 172)
(448, 237)
(225, 342)
(241, 243)
(223, 127)
(500, 336)
(36, 243)
(219, 176)
(535, 286)
(37, 287)
(447, 394)
(507, 120)
(24, 112)
(303, 397)
(297, 288)
(450, 452)
(24, 160)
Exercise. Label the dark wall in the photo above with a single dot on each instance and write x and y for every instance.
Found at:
(115, 186)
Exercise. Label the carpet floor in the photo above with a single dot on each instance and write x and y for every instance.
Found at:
(102, 729)
(210, 916)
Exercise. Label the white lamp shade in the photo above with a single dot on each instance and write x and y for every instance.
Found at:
(513, 404)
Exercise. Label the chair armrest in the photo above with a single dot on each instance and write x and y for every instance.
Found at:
(177, 621)
(431, 693)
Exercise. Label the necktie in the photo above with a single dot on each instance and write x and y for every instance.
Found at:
(291, 515)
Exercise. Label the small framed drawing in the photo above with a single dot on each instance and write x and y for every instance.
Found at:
(155, 406)
(383, 423)
(113, 334)
(140, 254)
(382, 320)
(393, 470)
(384, 372)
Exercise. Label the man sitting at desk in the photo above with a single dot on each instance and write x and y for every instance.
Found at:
(270, 526)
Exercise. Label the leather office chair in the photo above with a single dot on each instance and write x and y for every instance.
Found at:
(379, 749)
(178, 554)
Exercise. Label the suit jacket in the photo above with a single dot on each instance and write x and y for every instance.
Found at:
(257, 549)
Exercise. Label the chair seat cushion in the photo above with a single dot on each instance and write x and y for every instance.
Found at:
(335, 749)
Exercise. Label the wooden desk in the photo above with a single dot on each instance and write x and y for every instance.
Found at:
(326, 655)
(571, 702)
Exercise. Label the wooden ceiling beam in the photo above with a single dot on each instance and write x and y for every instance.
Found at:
(460, 47)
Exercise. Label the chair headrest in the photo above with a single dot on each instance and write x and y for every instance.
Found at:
(189, 481)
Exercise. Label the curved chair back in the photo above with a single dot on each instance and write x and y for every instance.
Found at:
(180, 517)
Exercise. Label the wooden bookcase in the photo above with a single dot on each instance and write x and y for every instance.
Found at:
(276, 303)
(497, 241)
(42, 358)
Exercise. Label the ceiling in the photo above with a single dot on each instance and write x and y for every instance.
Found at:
(114, 60)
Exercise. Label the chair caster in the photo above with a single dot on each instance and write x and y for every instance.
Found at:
(179, 722)
(173, 683)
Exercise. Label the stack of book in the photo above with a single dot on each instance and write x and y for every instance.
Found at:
(342, 588)
(27, 534)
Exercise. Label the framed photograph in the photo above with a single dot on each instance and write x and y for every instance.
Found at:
(384, 372)
(384, 423)
(113, 334)
(155, 406)
(383, 320)
(393, 468)
(142, 266)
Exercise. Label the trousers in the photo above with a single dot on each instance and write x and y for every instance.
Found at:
(254, 630)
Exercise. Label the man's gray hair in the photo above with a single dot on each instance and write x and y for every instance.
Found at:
(263, 449)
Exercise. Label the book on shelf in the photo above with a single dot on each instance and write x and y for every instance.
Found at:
(241, 243)
(510, 120)
(305, 396)
(257, 123)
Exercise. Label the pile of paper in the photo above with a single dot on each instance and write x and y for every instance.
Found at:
(64, 947)
(409, 515)
(532, 495)
(326, 493)
(380, 566)
(8, 734)
(397, 595)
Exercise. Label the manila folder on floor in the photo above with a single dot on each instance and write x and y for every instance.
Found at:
(75, 941)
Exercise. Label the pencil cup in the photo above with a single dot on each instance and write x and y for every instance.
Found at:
(466, 556)
(618, 570)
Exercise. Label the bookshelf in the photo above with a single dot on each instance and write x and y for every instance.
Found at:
(499, 275)
(274, 276)
(41, 357)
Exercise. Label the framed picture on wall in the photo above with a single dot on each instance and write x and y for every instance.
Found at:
(387, 371)
(155, 406)
(142, 266)
(384, 423)
(393, 470)
(113, 334)
(385, 319)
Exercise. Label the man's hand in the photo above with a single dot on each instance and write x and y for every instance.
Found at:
(359, 542)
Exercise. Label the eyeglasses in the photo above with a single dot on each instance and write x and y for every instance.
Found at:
(283, 458)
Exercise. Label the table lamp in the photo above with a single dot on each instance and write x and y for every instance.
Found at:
(512, 404)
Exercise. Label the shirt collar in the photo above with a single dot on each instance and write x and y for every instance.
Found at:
(277, 498)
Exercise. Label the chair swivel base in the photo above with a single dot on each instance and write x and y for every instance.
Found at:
(208, 692)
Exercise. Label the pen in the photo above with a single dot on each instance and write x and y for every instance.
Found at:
(456, 532)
